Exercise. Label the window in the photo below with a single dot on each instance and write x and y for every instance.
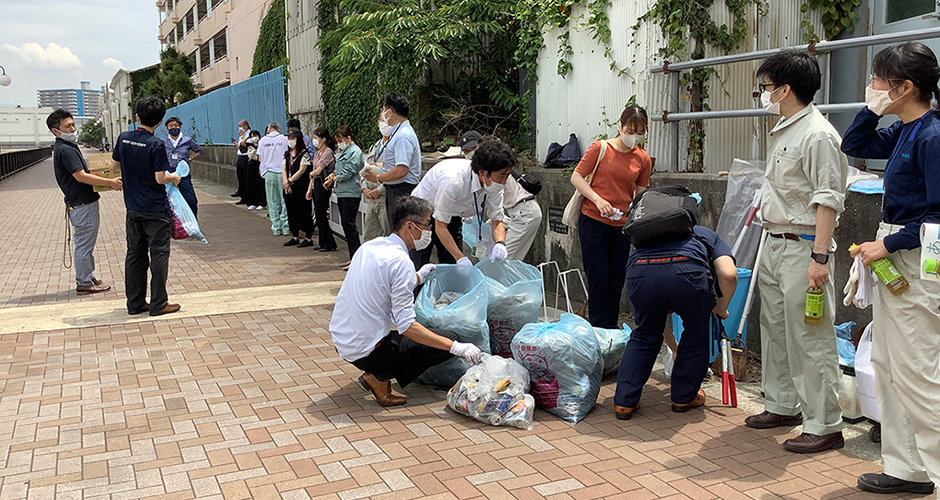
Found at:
(216, 3)
(192, 61)
(190, 20)
(899, 10)
(202, 9)
(204, 57)
(221, 48)
(179, 33)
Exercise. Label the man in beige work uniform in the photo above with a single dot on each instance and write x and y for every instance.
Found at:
(804, 192)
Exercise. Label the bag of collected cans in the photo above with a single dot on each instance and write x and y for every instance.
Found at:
(495, 392)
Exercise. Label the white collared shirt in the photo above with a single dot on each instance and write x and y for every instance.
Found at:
(271, 149)
(455, 191)
(378, 293)
(242, 136)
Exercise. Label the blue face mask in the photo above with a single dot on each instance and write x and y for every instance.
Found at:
(174, 132)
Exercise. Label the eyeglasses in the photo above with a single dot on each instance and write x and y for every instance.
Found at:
(874, 79)
(423, 225)
(763, 86)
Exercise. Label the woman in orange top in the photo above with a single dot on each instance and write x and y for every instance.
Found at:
(622, 173)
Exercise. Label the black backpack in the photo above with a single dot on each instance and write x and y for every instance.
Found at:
(532, 185)
(559, 156)
(659, 215)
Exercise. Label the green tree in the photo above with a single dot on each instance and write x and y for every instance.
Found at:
(172, 82)
(271, 49)
(92, 133)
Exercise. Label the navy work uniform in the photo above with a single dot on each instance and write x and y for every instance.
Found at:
(674, 276)
(177, 151)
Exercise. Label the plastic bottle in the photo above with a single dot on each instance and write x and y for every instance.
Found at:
(814, 306)
(931, 268)
(888, 274)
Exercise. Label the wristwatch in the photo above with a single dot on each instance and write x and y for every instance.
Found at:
(822, 258)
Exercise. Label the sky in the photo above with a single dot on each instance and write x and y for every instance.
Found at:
(53, 44)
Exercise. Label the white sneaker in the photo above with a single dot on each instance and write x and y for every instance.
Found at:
(252, 207)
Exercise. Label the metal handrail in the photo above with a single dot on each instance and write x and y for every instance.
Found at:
(16, 161)
(667, 117)
(818, 47)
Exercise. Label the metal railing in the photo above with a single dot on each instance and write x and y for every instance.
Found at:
(15, 161)
(672, 70)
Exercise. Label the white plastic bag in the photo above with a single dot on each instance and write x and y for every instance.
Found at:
(515, 296)
(465, 316)
(185, 225)
(865, 377)
(565, 363)
(495, 392)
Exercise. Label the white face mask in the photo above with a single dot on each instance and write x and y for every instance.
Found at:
(316, 143)
(878, 101)
(342, 146)
(494, 187)
(241, 130)
(385, 129)
(71, 137)
(632, 140)
(770, 107)
(291, 143)
(424, 241)
(469, 155)
(253, 140)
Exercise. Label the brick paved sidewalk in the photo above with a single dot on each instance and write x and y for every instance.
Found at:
(242, 252)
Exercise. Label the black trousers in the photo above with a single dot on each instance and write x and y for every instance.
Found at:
(400, 358)
(422, 257)
(147, 233)
(299, 211)
(254, 183)
(321, 206)
(394, 192)
(348, 210)
(241, 172)
(189, 194)
(604, 252)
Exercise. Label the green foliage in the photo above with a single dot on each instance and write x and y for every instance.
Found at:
(92, 133)
(170, 81)
(271, 49)
(837, 16)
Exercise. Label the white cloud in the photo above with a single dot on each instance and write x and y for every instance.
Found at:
(112, 63)
(53, 56)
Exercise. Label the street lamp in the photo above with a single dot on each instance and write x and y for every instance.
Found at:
(4, 77)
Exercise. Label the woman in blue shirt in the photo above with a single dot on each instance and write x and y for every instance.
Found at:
(906, 329)
(348, 193)
(180, 148)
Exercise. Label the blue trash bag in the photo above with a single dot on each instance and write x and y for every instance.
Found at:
(454, 298)
(471, 234)
(185, 225)
(515, 297)
(844, 343)
(565, 363)
(613, 343)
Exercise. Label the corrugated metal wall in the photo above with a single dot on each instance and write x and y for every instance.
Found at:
(215, 116)
(577, 103)
(303, 84)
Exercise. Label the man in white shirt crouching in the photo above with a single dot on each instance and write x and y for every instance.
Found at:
(378, 292)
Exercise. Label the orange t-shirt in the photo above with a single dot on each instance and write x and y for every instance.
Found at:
(616, 177)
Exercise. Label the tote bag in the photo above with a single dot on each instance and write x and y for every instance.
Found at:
(573, 209)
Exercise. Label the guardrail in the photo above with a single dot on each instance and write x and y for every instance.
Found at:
(15, 161)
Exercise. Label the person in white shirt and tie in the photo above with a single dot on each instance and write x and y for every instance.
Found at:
(461, 188)
(378, 293)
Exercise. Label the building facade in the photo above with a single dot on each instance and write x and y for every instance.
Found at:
(218, 36)
(84, 103)
(303, 87)
(24, 128)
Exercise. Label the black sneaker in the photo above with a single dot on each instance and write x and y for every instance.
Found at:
(235, 194)
(291, 242)
(305, 244)
(883, 483)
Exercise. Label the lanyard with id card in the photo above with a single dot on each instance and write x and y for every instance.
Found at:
(479, 250)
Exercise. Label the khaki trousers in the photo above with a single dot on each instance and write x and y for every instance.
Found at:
(800, 362)
(905, 353)
(375, 222)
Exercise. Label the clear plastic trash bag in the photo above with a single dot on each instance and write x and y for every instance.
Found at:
(465, 316)
(515, 297)
(565, 364)
(495, 392)
(613, 343)
(185, 225)
(745, 180)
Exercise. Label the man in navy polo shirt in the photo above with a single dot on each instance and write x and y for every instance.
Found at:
(144, 165)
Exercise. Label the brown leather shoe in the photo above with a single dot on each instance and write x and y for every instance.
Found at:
(141, 310)
(768, 420)
(811, 443)
(94, 288)
(170, 308)
(97, 281)
(381, 390)
(698, 401)
(625, 413)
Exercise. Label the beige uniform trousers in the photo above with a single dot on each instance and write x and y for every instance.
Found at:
(375, 221)
(905, 354)
(522, 225)
(800, 362)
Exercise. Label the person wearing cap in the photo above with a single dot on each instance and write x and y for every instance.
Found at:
(522, 211)
(461, 188)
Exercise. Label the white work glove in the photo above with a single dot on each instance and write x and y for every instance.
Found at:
(465, 261)
(424, 272)
(851, 286)
(467, 220)
(469, 352)
(499, 253)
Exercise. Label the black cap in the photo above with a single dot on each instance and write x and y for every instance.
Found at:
(470, 140)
